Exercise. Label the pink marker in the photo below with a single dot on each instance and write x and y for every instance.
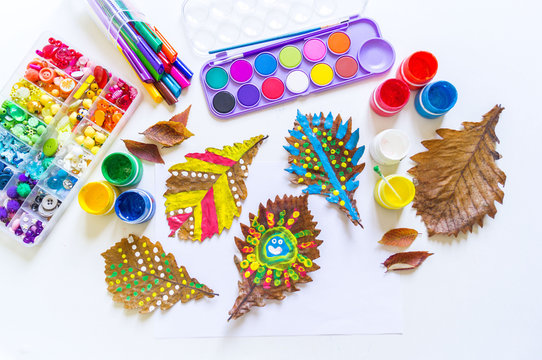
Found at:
(184, 82)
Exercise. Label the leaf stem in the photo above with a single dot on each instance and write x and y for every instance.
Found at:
(176, 283)
(242, 302)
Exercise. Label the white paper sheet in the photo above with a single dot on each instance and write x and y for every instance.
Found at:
(350, 294)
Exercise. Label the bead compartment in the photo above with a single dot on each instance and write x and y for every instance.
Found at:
(56, 176)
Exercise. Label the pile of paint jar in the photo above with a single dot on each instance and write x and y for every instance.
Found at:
(121, 172)
(389, 147)
(415, 73)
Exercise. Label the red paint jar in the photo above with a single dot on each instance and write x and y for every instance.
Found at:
(418, 69)
(390, 97)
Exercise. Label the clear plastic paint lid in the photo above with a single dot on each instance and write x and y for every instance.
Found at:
(216, 24)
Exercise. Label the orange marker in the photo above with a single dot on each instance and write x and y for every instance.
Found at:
(168, 50)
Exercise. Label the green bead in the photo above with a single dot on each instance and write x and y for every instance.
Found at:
(33, 122)
(41, 129)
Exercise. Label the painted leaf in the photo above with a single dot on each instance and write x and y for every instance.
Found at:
(182, 117)
(278, 251)
(143, 277)
(406, 260)
(144, 151)
(401, 237)
(457, 179)
(204, 193)
(167, 133)
(324, 156)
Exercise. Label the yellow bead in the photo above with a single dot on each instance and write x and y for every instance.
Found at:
(100, 138)
(91, 94)
(89, 143)
(55, 108)
(48, 119)
(45, 99)
(95, 150)
(94, 87)
(87, 103)
(79, 139)
(89, 131)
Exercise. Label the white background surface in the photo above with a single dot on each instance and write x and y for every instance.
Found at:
(476, 298)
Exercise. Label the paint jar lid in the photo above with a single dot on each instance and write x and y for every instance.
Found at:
(215, 24)
(122, 169)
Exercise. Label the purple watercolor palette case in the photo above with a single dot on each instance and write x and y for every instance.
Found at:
(301, 65)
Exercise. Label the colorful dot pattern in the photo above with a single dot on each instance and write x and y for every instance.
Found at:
(142, 276)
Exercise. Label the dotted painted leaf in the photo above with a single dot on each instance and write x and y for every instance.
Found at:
(278, 251)
(143, 277)
(324, 156)
(205, 192)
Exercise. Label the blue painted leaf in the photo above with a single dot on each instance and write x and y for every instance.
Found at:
(324, 156)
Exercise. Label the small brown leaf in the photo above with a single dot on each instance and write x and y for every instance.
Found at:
(144, 151)
(401, 237)
(406, 260)
(182, 117)
(168, 133)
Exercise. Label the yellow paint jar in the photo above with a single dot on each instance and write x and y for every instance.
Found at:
(98, 198)
(385, 196)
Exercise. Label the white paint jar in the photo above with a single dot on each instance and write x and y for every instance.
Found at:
(389, 147)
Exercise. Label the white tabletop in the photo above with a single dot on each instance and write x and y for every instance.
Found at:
(478, 297)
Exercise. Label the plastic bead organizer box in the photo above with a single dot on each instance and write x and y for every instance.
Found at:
(58, 114)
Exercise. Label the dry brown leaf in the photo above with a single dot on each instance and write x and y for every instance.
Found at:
(401, 237)
(144, 151)
(132, 279)
(278, 251)
(168, 133)
(406, 260)
(182, 117)
(457, 179)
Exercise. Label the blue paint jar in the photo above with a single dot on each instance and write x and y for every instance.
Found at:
(436, 99)
(135, 206)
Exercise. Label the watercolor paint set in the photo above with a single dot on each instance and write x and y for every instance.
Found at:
(57, 114)
(284, 70)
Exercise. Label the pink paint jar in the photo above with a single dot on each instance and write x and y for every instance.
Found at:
(390, 97)
(418, 69)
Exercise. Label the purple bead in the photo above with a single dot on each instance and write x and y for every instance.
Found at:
(28, 240)
(12, 192)
(12, 206)
(18, 231)
(3, 212)
(23, 177)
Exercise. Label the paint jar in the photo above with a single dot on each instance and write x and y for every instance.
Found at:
(389, 147)
(122, 169)
(135, 206)
(436, 99)
(385, 196)
(390, 97)
(98, 198)
(418, 69)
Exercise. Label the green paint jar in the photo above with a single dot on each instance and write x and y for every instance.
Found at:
(122, 169)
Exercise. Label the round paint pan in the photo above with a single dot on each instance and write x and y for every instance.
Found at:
(297, 82)
(248, 95)
(376, 56)
(290, 57)
(321, 74)
(216, 78)
(338, 43)
(346, 67)
(314, 50)
(223, 102)
(272, 88)
(265, 64)
(241, 71)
